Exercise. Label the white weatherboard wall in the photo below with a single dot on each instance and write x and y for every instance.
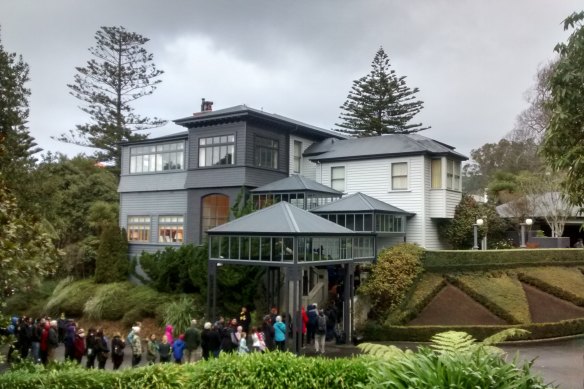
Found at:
(373, 177)
(307, 168)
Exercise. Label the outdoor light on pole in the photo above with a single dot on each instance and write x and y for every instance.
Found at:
(476, 226)
(528, 222)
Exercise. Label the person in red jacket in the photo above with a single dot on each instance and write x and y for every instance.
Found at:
(79, 345)
(304, 323)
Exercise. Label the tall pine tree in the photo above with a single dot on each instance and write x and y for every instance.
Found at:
(121, 72)
(17, 146)
(380, 103)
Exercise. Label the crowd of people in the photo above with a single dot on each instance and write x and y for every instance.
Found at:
(38, 339)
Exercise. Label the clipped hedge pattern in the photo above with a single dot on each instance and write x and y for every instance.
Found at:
(376, 332)
(499, 293)
(423, 291)
(493, 259)
(565, 283)
(273, 370)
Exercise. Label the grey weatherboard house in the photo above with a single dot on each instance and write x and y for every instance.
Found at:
(368, 193)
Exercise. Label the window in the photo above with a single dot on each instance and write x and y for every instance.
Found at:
(338, 178)
(399, 176)
(139, 228)
(170, 229)
(266, 153)
(436, 173)
(297, 156)
(389, 223)
(452, 174)
(157, 158)
(215, 211)
(217, 150)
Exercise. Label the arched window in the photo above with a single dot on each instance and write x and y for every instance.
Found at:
(215, 211)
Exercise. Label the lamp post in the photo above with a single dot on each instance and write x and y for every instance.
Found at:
(476, 226)
(528, 222)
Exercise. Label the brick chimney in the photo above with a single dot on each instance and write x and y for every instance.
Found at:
(206, 105)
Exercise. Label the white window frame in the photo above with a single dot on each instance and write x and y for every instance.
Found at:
(137, 226)
(150, 158)
(210, 144)
(297, 157)
(407, 176)
(453, 169)
(439, 176)
(344, 179)
(173, 226)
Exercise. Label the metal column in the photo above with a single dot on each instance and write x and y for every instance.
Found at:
(348, 301)
(211, 291)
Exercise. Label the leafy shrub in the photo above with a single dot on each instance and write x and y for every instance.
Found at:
(501, 294)
(32, 301)
(392, 276)
(565, 283)
(109, 302)
(71, 298)
(180, 313)
(421, 293)
(454, 361)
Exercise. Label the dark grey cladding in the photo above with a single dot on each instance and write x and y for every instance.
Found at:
(296, 183)
(359, 202)
(282, 218)
(239, 112)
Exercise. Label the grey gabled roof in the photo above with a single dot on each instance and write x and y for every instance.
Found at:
(296, 183)
(200, 118)
(379, 146)
(358, 202)
(282, 218)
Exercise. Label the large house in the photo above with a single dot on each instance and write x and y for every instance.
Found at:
(174, 188)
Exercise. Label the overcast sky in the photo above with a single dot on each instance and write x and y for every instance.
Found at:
(472, 60)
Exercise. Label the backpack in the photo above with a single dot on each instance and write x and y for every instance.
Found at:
(322, 323)
(130, 338)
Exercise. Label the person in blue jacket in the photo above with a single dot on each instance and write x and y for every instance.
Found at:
(280, 334)
(178, 348)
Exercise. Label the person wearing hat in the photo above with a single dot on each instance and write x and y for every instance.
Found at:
(79, 345)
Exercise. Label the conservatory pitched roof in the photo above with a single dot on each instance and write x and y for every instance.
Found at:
(359, 202)
(282, 218)
(296, 183)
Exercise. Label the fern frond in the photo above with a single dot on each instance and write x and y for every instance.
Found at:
(452, 342)
(509, 333)
(380, 350)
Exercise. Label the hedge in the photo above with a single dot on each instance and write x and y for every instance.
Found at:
(376, 332)
(272, 370)
(498, 292)
(460, 260)
(424, 290)
(565, 283)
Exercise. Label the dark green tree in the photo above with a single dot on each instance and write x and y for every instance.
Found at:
(458, 232)
(120, 73)
(562, 147)
(112, 262)
(380, 103)
(65, 190)
(17, 147)
(27, 252)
